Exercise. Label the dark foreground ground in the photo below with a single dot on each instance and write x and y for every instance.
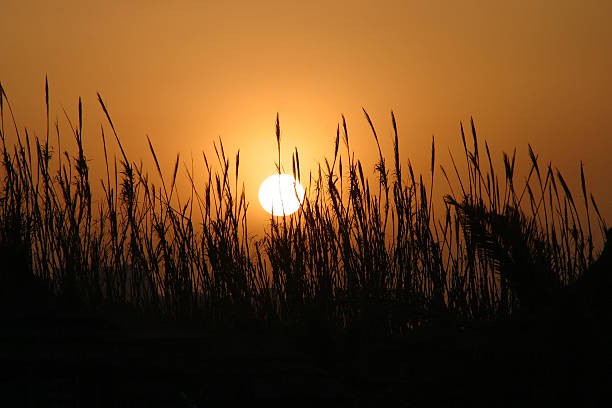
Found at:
(54, 354)
(54, 357)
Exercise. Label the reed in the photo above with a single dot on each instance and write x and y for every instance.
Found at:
(365, 254)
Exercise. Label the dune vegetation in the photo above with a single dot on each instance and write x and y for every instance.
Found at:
(363, 253)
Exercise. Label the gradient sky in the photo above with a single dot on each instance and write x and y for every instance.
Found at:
(186, 73)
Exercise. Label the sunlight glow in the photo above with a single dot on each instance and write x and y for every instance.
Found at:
(281, 194)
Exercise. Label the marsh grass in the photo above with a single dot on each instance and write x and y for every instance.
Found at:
(362, 254)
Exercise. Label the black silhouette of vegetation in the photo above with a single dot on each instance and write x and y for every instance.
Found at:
(363, 258)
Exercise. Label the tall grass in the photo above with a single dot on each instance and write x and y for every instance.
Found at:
(361, 254)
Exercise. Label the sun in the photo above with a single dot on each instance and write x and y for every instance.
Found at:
(281, 194)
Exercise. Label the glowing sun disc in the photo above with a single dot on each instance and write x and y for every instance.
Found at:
(281, 194)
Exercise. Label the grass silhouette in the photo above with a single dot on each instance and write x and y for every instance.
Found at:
(363, 259)
(359, 253)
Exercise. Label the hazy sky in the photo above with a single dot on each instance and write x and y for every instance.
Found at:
(185, 73)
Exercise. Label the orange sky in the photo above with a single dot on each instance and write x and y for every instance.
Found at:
(186, 73)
